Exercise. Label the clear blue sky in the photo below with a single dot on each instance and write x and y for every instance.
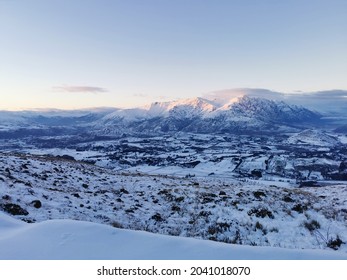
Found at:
(123, 53)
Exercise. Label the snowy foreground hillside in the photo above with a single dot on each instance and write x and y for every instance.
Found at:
(233, 212)
(67, 239)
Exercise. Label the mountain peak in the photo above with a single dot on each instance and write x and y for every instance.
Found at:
(195, 105)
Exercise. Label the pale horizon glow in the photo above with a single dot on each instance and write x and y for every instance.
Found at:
(88, 53)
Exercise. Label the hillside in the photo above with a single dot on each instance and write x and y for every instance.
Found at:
(36, 189)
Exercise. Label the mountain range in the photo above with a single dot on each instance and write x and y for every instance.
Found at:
(235, 111)
(201, 115)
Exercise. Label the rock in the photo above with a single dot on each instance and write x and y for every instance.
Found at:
(14, 209)
(36, 203)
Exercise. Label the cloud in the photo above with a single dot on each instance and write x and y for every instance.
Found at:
(322, 101)
(88, 89)
(225, 96)
(329, 94)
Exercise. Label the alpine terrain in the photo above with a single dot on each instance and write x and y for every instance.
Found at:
(238, 171)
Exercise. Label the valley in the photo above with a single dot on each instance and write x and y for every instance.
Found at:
(255, 172)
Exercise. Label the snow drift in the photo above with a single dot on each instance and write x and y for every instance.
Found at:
(68, 239)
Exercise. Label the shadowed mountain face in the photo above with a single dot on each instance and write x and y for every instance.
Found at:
(341, 129)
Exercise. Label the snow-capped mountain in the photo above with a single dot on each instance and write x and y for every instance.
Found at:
(268, 110)
(248, 111)
(186, 108)
(199, 115)
(329, 102)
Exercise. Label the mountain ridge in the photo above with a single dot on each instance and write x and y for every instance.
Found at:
(201, 115)
(235, 111)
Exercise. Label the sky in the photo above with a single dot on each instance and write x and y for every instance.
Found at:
(91, 53)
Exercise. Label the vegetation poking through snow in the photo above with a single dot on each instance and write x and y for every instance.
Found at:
(226, 210)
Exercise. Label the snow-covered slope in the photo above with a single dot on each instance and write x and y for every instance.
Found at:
(13, 120)
(67, 239)
(314, 138)
(185, 108)
(37, 189)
